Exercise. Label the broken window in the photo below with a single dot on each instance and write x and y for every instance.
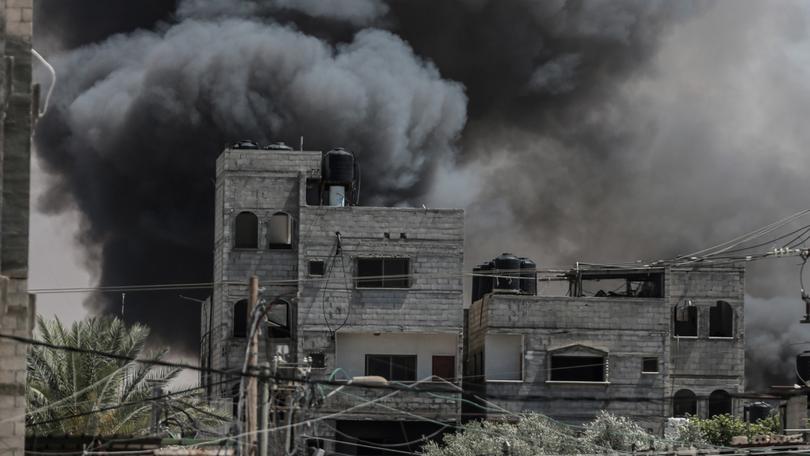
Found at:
(444, 367)
(721, 320)
(503, 357)
(240, 318)
(685, 317)
(576, 368)
(684, 403)
(278, 320)
(649, 366)
(617, 284)
(383, 273)
(392, 367)
(316, 267)
(279, 231)
(719, 403)
(246, 231)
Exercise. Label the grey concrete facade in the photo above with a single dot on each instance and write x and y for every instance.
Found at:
(17, 108)
(329, 312)
(625, 331)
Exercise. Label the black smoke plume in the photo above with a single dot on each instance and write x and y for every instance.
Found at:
(570, 130)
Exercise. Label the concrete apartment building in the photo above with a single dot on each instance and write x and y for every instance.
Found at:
(646, 343)
(355, 291)
(18, 110)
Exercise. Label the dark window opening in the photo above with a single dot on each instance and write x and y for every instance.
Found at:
(444, 367)
(383, 273)
(617, 285)
(278, 320)
(685, 318)
(240, 318)
(246, 231)
(721, 320)
(313, 192)
(392, 367)
(684, 403)
(316, 267)
(649, 365)
(719, 403)
(318, 360)
(279, 231)
(578, 368)
(235, 400)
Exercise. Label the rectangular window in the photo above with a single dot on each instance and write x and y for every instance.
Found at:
(318, 360)
(503, 357)
(400, 368)
(577, 368)
(278, 319)
(649, 365)
(316, 267)
(313, 192)
(444, 367)
(383, 273)
(685, 321)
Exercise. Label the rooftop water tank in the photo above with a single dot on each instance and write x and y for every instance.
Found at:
(277, 146)
(245, 144)
(475, 295)
(507, 272)
(528, 276)
(756, 411)
(338, 167)
(486, 282)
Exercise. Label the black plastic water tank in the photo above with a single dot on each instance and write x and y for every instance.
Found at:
(528, 276)
(803, 368)
(245, 144)
(486, 283)
(507, 266)
(756, 411)
(339, 167)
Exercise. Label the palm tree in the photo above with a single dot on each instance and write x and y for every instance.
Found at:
(80, 393)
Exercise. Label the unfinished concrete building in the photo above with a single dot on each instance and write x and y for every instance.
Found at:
(355, 291)
(646, 343)
(18, 109)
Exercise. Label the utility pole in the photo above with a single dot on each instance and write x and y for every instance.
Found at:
(252, 364)
(264, 410)
(157, 409)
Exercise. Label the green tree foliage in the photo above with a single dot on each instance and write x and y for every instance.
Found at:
(719, 429)
(62, 384)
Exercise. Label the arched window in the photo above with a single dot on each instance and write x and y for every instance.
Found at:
(240, 318)
(246, 231)
(719, 403)
(278, 320)
(685, 321)
(721, 320)
(684, 402)
(279, 231)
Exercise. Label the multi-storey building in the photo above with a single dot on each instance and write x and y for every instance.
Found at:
(18, 111)
(645, 343)
(357, 291)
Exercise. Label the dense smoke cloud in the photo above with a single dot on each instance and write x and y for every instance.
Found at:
(133, 132)
(595, 130)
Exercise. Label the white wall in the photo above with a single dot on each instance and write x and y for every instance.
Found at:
(503, 357)
(352, 349)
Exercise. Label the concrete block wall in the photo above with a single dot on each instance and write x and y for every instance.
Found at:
(17, 312)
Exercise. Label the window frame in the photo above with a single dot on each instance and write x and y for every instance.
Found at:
(235, 241)
(290, 230)
(581, 351)
(391, 363)
(675, 322)
(726, 396)
(309, 267)
(482, 359)
(233, 319)
(283, 328)
(649, 372)
(733, 317)
(693, 404)
(359, 282)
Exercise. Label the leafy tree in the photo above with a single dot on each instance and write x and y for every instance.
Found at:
(719, 429)
(79, 393)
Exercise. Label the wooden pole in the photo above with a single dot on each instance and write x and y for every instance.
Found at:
(251, 420)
